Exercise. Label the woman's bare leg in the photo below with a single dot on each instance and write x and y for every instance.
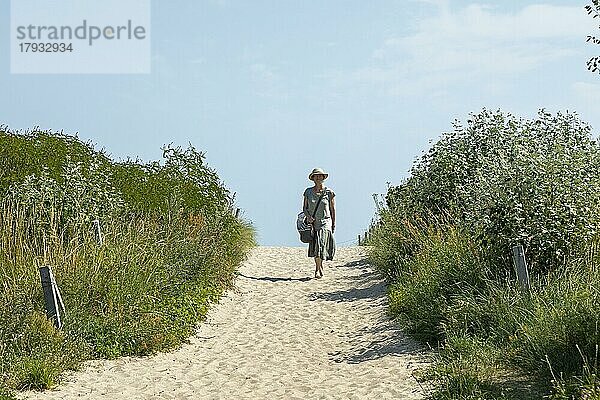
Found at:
(318, 267)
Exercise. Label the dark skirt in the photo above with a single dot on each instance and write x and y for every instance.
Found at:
(323, 245)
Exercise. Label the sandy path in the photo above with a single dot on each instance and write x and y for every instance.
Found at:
(278, 335)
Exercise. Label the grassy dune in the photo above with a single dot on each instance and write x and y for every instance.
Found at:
(171, 246)
(444, 241)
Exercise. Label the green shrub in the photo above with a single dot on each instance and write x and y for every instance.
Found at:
(31, 152)
(534, 182)
(6, 395)
(170, 248)
(182, 182)
(465, 368)
(562, 328)
(444, 242)
(443, 263)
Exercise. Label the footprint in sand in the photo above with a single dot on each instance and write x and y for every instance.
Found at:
(277, 335)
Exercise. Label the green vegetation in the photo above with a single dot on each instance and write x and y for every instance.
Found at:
(444, 242)
(171, 246)
(593, 9)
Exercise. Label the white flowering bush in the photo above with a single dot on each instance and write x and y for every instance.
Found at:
(511, 180)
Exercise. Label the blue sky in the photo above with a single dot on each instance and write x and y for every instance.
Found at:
(271, 89)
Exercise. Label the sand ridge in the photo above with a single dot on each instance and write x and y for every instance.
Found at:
(279, 334)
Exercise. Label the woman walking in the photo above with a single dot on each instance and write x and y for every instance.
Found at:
(319, 201)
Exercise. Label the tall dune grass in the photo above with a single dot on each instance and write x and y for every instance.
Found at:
(444, 242)
(171, 246)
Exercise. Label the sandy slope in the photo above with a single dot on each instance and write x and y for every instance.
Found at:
(278, 335)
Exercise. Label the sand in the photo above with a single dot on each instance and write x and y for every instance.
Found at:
(279, 334)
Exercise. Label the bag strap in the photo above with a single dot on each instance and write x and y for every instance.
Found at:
(318, 202)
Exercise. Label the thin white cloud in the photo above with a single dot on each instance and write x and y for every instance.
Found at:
(534, 21)
(477, 41)
(477, 38)
(267, 81)
(221, 3)
(262, 72)
(589, 93)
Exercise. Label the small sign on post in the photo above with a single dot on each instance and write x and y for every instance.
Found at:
(521, 266)
(52, 296)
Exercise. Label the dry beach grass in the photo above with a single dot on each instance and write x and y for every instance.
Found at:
(278, 334)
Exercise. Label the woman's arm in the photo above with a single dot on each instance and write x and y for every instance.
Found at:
(332, 209)
(309, 218)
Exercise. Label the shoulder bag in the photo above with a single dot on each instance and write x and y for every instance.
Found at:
(306, 230)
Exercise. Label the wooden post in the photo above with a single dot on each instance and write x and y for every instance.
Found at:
(237, 213)
(521, 266)
(52, 296)
(359, 239)
(98, 231)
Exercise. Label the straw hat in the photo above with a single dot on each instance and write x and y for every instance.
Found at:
(317, 171)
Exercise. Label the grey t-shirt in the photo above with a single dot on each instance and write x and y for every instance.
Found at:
(323, 214)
